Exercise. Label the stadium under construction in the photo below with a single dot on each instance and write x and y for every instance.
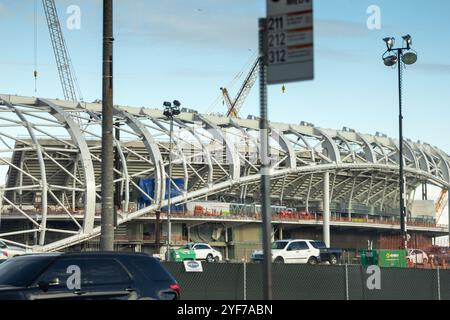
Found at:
(51, 200)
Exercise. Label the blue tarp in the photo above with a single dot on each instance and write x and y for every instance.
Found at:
(148, 186)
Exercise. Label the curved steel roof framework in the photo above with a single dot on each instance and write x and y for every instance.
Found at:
(53, 151)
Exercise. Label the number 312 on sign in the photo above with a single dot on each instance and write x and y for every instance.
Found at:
(277, 56)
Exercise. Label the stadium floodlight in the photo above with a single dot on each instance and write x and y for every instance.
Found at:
(407, 56)
(389, 42)
(171, 110)
(176, 107)
(390, 60)
(408, 41)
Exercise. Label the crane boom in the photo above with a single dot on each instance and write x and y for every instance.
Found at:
(65, 70)
(440, 204)
(226, 98)
(235, 107)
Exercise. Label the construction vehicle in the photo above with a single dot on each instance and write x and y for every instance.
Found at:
(65, 69)
(441, 202)
(235, 106)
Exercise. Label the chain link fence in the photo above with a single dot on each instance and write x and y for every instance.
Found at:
(218, 281)
(243, 281)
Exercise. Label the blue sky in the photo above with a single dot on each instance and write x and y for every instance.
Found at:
(188, 49)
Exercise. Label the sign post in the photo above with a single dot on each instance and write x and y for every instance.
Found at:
(285, 55)
(290, 41)
(265, 164)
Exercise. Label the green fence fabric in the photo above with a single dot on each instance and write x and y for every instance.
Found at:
(228, 281)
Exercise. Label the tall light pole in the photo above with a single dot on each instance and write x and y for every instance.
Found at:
(392, 57)
(170, 111)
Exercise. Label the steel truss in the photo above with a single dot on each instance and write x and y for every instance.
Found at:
(53, 153)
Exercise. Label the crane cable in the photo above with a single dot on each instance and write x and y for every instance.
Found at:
(232, 83)
(35, 73)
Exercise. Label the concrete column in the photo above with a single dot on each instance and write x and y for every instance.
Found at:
(326, 208)
(281, 232)
(350, 200)
(226, 243)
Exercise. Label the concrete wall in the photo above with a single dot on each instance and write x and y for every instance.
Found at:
(245, 238)
(423, 208)
(339, 239)
(351, 240)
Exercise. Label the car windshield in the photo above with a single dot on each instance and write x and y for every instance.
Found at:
(279, 245)
(21, 271)
(318, 244)
(186, 247)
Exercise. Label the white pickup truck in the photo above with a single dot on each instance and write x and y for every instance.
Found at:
(291, 251)
(11, 251)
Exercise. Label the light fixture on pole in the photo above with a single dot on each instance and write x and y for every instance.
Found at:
(170, 110)
(389, 42)
(392, 57)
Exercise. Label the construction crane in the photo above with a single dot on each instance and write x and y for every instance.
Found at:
(440, 204)
(66, 73)
(236, 105)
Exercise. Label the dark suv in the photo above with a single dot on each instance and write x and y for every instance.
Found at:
(86, 275)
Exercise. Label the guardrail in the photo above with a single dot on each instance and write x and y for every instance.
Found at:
(256, 217)
(301, 217)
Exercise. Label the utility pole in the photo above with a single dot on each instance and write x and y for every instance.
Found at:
(107, 217)
(265, 165)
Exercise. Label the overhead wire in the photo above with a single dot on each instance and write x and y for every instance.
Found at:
(232, 83)
(75, 80)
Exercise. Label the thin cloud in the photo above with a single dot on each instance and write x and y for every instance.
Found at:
(188, 28)
(22, 63)
(195, 73)
(441, 68)
(4, 11)
(333, 28)
(341, 55)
